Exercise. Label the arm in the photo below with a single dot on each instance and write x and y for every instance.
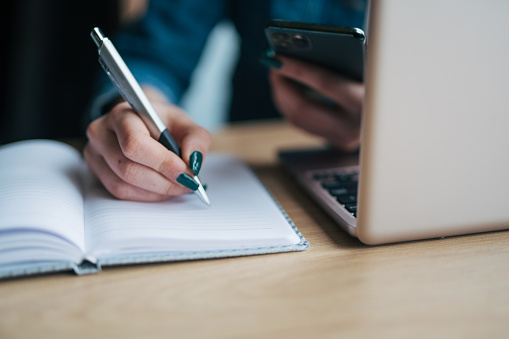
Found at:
(163, 47)
(161, 51)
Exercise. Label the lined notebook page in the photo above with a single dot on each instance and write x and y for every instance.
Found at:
(242, 214)
(40, 192)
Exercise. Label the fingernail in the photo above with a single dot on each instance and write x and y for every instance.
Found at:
(267, 59)
(188, 181)
(195, 161)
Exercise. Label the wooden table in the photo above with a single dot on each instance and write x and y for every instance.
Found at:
(450, 288)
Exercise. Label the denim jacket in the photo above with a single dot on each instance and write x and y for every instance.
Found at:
(163, 48)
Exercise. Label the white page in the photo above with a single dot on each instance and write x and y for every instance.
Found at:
(242, 214)
(40, 191)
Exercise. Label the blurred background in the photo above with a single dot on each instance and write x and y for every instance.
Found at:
(49, 65)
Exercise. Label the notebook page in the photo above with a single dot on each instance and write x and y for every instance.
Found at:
(241, 214)
(40, 193)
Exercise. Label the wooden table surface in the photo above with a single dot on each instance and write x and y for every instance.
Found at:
(448, 288)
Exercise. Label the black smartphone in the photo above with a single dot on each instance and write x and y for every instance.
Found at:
(339, 48)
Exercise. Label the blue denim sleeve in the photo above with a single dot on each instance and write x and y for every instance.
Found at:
(328, 12)
(163, 48)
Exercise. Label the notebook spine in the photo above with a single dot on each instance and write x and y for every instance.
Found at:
(87, 266)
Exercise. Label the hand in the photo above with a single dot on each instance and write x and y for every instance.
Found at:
(337, 119)
(132, 165)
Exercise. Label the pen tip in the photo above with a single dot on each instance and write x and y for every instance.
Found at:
(201, 191)
(205, 198)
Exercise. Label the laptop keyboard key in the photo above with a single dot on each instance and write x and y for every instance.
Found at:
(328, 185)
(342, 186)
(338, 191)
(347, 199)
(352, 208)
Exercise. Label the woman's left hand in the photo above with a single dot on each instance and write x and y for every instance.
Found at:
(333, 111)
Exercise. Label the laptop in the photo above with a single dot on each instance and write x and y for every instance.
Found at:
(434, 157)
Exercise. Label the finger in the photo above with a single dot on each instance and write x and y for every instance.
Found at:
(102, 138)
(337, 126)
(138, 146)
(136, 174)
(195, 144)
(114, 184)
(345, 92)
(194, 140)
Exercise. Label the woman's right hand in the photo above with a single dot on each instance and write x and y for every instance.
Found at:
(132, 165)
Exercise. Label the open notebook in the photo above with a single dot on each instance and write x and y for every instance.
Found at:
(54, 216)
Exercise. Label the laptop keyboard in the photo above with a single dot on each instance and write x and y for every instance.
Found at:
(342, 186)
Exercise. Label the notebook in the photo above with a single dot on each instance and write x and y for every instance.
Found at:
(434, 158)
(54, 216)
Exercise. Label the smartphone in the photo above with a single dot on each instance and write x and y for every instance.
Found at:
(338, 48)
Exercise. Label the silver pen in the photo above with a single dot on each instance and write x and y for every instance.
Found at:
(130, 90)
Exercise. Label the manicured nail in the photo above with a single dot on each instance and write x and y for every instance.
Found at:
(267, 59)
(188, 181)
(195, 161)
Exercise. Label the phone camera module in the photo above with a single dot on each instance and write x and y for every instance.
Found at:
(300, 41)
(280, 37)
(289, 41)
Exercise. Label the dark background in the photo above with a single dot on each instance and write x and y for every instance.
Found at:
(48, 65)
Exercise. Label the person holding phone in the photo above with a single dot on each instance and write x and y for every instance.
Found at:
(162, 50)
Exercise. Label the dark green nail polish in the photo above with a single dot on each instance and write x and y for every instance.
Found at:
(267, 59)
(187, 181)
(195, 161)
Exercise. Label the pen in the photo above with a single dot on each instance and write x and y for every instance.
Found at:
(130, 90)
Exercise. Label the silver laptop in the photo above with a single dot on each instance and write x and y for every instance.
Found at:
(434, 159)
